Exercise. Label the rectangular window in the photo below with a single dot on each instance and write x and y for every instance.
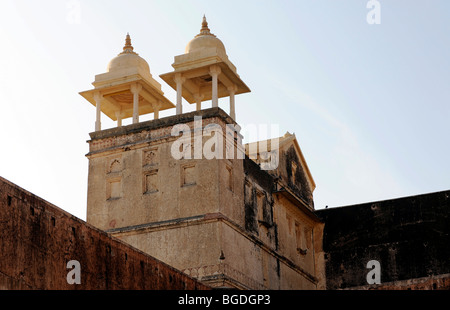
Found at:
(114, 188)
(264, 209)
(229, 177)
(188, 175)
(300, 237)
(151, 182)
(247, 192)
(289, 222)
(260, 203)
(308, 237)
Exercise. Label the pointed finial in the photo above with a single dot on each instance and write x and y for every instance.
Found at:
(205, 30)
(128, 48)
(127, 43)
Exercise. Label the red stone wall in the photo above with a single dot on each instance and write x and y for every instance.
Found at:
(37, 240)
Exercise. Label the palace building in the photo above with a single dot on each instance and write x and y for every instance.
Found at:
(220, 219)
(179, 202)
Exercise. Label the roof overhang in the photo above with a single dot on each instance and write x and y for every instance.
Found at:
(118, 98)
(195, 68)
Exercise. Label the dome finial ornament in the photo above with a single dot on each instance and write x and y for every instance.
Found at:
(127, 59)
(204, 23)
(128, 48)
(205, 30)
(205, 39)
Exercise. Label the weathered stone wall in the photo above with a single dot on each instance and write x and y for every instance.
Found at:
(37, 240)
(290, 232)
(409, 236)
(134, 177)
(183, 243)
(212, 218)
(293, 174)
(439, 282)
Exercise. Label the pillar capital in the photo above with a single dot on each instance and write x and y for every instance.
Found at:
(98, 96)
(135, 88)
(198, 97)
(198, 100)
(156, 106)
(179, 78)
(232, 89)
(119, 118)
(214, 70)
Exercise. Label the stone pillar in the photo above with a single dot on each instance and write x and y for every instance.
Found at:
(119, 118)
(215, 71)
(232, 91)
(98, 101)
(156, 107)
(179, 80)
(198, 100)
(135, 89)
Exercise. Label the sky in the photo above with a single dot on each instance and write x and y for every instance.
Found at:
(368, 102)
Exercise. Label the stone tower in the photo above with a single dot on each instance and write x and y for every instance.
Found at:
(185, 190)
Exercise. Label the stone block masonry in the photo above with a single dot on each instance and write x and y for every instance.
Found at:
(38, 239)
(408, 236)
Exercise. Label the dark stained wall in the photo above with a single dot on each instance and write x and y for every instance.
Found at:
(37, 240)
(254, 175)
(296, 177)
(409, 236)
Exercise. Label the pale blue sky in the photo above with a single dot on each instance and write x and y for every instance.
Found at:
(369, 104)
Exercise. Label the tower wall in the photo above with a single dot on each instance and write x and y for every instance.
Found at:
(215, 219)
(134, 177)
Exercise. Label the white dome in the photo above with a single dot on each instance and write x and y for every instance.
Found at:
(123, 61)
(205, 39)
(128, 59)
